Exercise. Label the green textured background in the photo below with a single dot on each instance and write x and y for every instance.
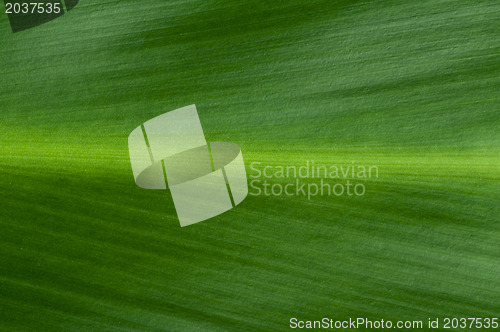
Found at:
(410, 86)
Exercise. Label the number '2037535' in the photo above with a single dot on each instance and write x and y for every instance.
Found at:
(470, 323)
(32, 8)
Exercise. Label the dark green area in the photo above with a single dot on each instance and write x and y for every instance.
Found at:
(26, 14)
